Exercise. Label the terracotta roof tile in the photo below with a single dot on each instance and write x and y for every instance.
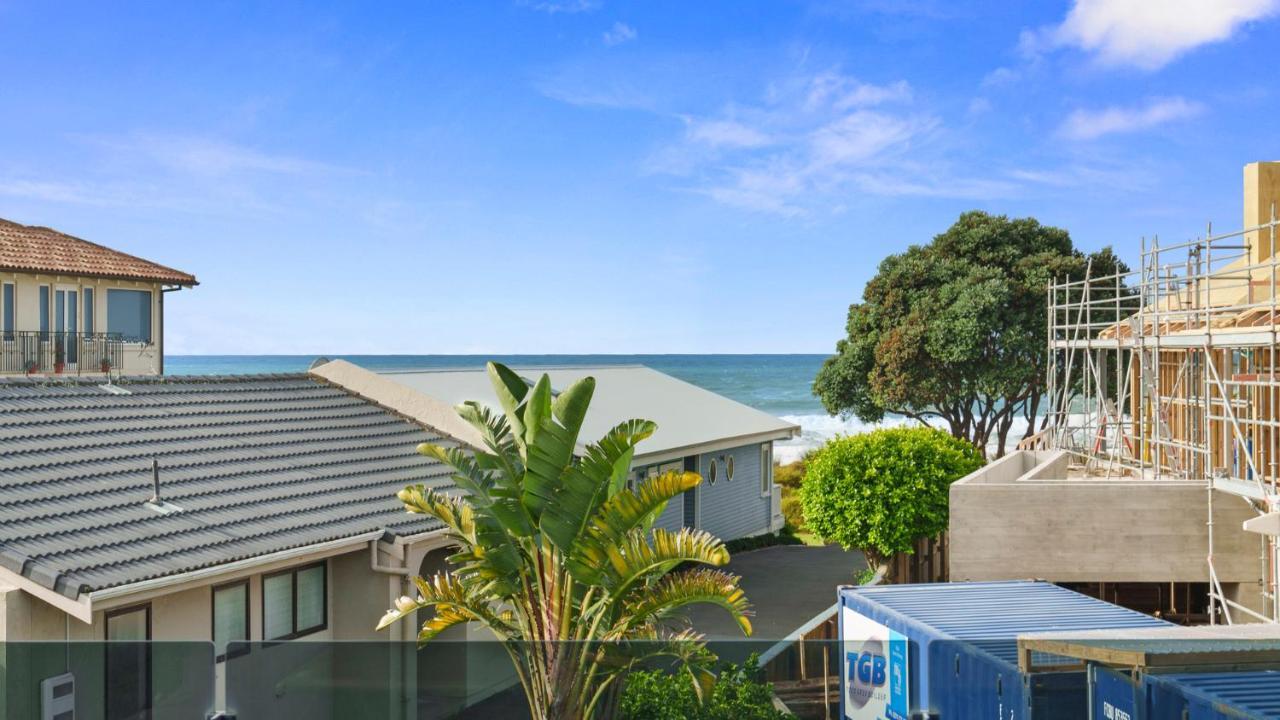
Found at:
(29, 248)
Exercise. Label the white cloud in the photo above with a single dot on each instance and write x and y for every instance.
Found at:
(569, 7)
(618, 34)
(843, 93)
(813, 142)
(1091, 124)
(1148, 34)
(1000, 76)
(863, 135)
(202, 155)
(978, 106)
(725, 133)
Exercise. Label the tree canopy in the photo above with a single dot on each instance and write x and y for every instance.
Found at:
(955, 330)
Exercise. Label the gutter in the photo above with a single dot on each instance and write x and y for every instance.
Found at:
(222, 569)
(399, 570)
(718, 444)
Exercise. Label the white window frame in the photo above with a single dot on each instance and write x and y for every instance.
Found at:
(766, 469)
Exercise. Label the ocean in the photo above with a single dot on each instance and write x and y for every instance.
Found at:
(780, 385)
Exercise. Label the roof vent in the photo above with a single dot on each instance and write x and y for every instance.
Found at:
(114, 389)
(156, 503)
(322, 360)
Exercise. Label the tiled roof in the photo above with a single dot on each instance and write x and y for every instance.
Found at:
(29, 248)
(256, 464)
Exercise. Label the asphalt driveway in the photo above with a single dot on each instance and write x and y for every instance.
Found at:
(787, 585)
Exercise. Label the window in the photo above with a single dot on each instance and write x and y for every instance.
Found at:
(766, 469)
(129, 314)
(712, 471)
(88, 310)
(728, 469)
(44, 312)
(230, 617)
(6, 306)
(294, 602)
(128, 663)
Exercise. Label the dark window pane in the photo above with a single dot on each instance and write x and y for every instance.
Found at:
(44, 311)
(129, 314)
(88, 310)
(9, 312)
(128, 678)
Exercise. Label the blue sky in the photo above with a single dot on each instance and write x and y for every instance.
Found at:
(563, 176)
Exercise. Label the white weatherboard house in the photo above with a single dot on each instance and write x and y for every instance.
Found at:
(728, 443)
(220, 511)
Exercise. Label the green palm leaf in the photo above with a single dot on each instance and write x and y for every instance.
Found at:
(454, 604)
(583, 487)
(635, 558)
(691, 587)
(619, 515)
(511, 391)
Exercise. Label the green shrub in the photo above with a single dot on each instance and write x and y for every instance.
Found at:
(881, 491)
(792, 509)
(789, 475)
(763, 540)
(738, 695)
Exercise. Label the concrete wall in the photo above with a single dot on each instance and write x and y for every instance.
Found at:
(1094, 530)
(139, 359)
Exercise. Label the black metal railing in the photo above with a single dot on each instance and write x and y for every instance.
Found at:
(33, 352)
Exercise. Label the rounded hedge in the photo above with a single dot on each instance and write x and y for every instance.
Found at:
(881, 491)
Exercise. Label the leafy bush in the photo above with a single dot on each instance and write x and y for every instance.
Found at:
(792, 509)
(763, 540)
(881, 491)
(789, 475)
(738, 695)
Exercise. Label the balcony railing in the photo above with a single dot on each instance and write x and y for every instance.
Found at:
(32, 352)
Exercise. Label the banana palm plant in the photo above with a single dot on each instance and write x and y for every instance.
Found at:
(559, 558)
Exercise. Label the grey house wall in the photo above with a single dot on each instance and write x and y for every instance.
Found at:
(728, 509)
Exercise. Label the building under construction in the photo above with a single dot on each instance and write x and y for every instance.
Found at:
(1155, 481)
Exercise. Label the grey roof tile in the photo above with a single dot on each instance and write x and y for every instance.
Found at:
(257, 464)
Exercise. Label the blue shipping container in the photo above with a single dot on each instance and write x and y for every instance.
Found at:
(1213, 696)
(950, 650)
(1114, 695)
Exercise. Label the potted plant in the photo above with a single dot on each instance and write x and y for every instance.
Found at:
(105, 365)
(59, 361)
(32, 367)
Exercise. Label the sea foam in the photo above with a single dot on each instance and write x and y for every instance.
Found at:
(815, 430)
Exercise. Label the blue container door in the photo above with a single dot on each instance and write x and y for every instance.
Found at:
(1113, 695)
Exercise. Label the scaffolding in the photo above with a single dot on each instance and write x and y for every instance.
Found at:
(1171, 372)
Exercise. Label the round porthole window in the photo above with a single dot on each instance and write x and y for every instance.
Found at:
(712, 471)
(728, 468)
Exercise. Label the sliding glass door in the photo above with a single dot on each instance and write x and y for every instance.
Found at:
(65, 324)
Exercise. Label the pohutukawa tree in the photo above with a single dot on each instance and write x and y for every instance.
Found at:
(560, 559)
(954, 332)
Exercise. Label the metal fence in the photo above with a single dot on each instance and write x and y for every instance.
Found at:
(33, 352)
